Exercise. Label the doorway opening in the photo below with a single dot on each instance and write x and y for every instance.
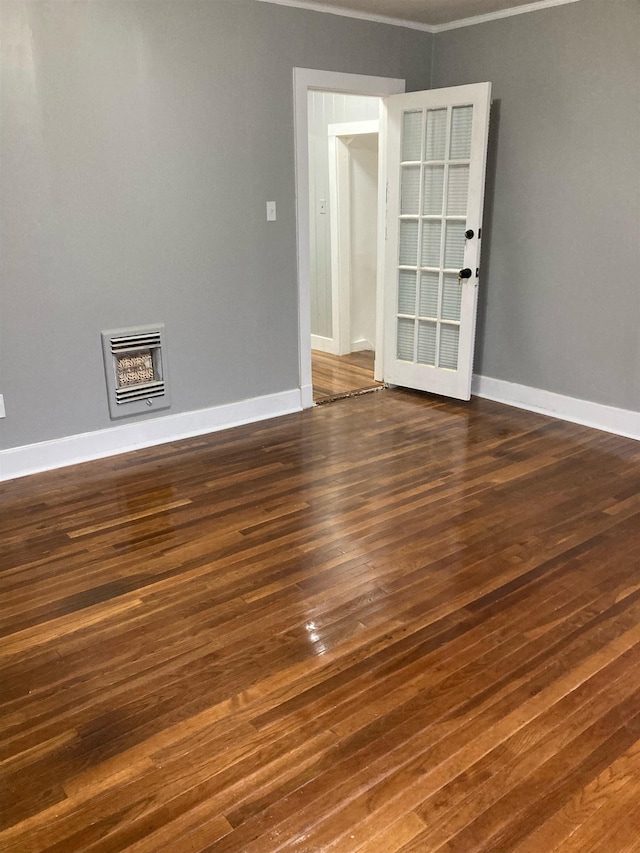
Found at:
(322, 99)
(343, 201)
(432, 164)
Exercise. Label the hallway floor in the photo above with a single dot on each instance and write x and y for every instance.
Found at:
(336, 376)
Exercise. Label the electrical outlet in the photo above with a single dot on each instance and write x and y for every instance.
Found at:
(2, 412)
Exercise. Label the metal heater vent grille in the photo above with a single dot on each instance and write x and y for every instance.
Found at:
(133, 342)
(136, 370)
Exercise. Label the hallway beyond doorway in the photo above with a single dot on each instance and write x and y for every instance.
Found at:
(336, 376)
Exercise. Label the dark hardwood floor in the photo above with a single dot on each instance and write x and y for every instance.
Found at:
(336, 376)
(395, 624)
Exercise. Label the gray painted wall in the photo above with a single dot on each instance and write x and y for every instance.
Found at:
(140, 142)
(560, 292)
(326, 108)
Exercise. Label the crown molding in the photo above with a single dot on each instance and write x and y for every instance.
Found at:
(351, 13)
(536, 6)
(502, 13)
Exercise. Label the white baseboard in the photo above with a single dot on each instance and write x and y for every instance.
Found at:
(329, 345)
(306, 396)
(608, 418)
(72, 449)
(362, 344)
(324, 344)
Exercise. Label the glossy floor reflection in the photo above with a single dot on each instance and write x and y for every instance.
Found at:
(394, 624)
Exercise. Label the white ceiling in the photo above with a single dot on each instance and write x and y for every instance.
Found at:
(424, 14)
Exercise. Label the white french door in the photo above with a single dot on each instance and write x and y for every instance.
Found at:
(436, 162)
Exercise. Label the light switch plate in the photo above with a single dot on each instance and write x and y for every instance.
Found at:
(271, 211)
(2, 412)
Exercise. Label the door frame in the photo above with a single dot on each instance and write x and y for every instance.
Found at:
(305, 79)
(340, 137)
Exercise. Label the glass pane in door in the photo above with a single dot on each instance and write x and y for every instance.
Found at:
(457, 190)
(461, 122)
(409, 243)
(411, 135)
(429, 292)
(406, 333)
(431, 232)
(454, 243)
(451, 297)
(427, 338)
(434, 195)
(448, 355)
(433, 187)
(407, 292)
(436, 140)
(410, 190)
(436, 161)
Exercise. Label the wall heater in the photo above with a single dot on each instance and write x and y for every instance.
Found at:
(135, 366)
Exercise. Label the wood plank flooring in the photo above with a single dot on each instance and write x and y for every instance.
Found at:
(336, 376)
(394, 625)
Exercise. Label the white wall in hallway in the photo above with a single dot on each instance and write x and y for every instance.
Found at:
(364, 222)
(326, 108)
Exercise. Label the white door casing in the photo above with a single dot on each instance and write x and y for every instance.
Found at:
(436, 162)
(340, 136)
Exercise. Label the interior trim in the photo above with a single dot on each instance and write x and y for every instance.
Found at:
(84, 447)
(622, 422)
(414, 25)
(74, 449)
(351, 13)
(502, 13)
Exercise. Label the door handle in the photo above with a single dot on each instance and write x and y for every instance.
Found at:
(465, 273)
